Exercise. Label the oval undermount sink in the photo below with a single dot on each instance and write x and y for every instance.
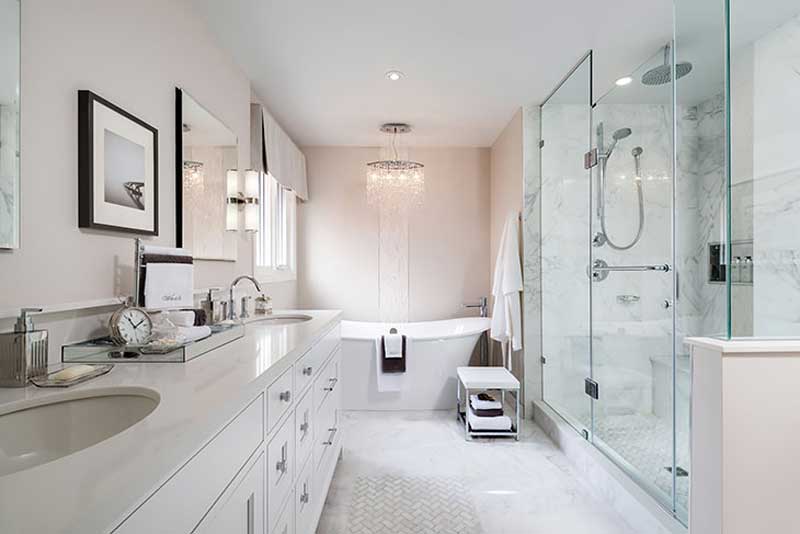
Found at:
(281, 320)
(40, 432)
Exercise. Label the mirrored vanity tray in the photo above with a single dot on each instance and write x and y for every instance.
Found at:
(104, 350)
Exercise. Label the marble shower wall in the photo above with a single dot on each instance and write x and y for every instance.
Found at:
(776, 181)
(531, 296)
(9, 173)
(630, 336)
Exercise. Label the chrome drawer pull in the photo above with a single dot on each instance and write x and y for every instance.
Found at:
(285, 396)
(304, 496)
(251, 514)
(308, 370)
(333, 382)
(281, 465)
(330, 438)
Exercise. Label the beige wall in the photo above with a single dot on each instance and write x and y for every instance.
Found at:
(506, 183)
(506, 197)
(133, 54)
(448, 235)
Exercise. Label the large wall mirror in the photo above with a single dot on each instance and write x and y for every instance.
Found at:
(9, 123)
(206, 150)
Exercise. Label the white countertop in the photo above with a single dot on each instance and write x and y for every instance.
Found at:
(748, 345)
(91, 490)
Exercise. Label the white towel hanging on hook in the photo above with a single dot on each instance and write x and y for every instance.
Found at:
(507, 289)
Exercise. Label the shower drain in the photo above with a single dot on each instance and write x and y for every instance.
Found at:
(681, 472)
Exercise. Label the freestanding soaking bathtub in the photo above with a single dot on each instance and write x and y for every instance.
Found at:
(433, 351)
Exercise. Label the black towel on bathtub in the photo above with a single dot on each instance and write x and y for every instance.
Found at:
(392, 365)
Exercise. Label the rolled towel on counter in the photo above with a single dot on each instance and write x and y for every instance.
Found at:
(193, 333)
(181, 318)
(499, 424)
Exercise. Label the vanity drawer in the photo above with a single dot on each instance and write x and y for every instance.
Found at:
(304, 428)
(304, 501)
(326, 428)
(198, 484)
(241, 507)
(280, 469)
(285, 522)
(312, 361)
(279, 398)
(328, 380)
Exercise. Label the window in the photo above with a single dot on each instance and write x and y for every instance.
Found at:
(275, 241)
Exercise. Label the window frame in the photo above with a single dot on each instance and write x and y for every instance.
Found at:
(271, 225)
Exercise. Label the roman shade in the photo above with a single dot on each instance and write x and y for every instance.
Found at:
(273, 151)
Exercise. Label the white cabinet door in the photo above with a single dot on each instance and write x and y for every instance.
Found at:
(240, 510)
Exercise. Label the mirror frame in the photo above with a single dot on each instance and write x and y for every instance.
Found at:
(179, 211)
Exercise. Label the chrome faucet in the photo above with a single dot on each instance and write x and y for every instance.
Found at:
(483, 304)
(231, 303)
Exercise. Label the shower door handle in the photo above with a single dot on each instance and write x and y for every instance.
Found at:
(600, 266)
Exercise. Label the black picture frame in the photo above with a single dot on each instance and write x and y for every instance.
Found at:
(86, 170)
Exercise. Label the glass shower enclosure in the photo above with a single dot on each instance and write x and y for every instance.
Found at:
(618, 269)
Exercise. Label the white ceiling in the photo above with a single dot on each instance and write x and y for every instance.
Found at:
(470, 64)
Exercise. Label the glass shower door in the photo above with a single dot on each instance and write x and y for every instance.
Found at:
(631, 240)
(564, 194)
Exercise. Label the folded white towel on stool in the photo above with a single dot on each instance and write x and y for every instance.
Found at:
(499, 423)
(393, 344)
(479, 404)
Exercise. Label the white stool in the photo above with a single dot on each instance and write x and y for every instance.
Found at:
(483, 378)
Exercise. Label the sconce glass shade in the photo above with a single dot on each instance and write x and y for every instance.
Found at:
(232, 181)
(251, 201)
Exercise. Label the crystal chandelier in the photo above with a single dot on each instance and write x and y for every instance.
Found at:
(395, 180)
(193, 176)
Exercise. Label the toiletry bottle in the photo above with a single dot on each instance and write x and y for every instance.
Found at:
(263, 305)
(736, 270)
(747, 270)
(23, 353)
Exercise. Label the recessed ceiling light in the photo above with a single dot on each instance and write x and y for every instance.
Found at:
(394, 75)
(625, 80)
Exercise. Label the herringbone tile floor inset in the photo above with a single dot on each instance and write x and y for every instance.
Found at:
(392, 504)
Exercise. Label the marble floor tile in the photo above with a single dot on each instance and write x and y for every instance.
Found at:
(411, 458)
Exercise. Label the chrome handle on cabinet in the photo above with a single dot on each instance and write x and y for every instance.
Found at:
(333, 382)
(251, 513)
(330, 438)
(281, 464)
(304, 425)
(308, 370)
(285, 395)
(304, 496)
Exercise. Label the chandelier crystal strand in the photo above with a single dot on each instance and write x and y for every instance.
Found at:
(395, 182)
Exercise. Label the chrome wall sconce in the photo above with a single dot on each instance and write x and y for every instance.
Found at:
(238, 201)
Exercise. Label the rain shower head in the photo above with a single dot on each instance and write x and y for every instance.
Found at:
(663, 73)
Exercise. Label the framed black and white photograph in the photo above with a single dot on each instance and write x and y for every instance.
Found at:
(117, 168)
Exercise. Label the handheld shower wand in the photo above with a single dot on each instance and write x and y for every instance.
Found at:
(602, 237)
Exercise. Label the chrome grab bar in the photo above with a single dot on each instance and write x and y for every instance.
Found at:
(600, 266)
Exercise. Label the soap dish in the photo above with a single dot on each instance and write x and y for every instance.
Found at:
(46, 381)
